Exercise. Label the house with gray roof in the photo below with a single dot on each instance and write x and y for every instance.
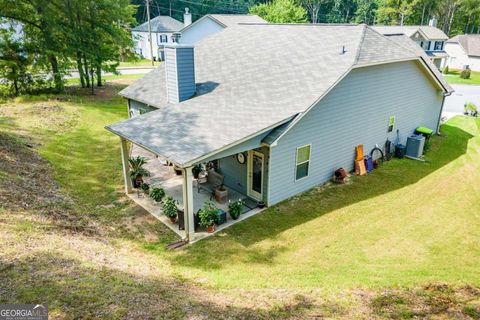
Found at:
(429, 38)
(162, 27)
(270, 121)
(464, 51)
(212, 23)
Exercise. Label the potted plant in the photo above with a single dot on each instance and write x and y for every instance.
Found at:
(221, 194)
(157, 194)
(207, 216)
(170, 208)
(145, 187)
(196, 170)
(137, 171)
(235, 208)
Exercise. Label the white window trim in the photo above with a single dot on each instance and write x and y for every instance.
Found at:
(309, 160)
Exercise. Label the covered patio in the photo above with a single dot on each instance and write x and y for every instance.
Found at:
(179, 188)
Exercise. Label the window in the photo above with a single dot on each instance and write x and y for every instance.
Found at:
(391, 123)
(427, 45)
(303, 162)
(163, 38)
(438, 46)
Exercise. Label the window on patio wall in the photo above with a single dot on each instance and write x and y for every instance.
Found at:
(302, 162)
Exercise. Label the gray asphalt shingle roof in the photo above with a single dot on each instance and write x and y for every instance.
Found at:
(233, 19)
(469, 42)
(430, 32)
(405, 41)
(161, 24)
(249, 81)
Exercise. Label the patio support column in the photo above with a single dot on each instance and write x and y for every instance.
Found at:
(126, 176)
(188, 203)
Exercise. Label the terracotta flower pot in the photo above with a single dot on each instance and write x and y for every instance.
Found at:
(173, 219)
(211, 229)
(221, 196)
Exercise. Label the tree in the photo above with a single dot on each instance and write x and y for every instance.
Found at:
(280, 11)
(14, 59)
(313, 7)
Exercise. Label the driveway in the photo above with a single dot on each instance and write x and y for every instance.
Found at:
(463, 93)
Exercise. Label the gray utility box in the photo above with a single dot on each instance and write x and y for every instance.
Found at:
(415, 144)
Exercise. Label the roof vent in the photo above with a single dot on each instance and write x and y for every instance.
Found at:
(343, 50)
(180, 72)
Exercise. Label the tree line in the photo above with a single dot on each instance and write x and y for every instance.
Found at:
(453, 16)
(41, 40)
(92, 36)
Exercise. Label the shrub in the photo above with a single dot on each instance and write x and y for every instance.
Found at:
(469, 108)
(157, 194)
(235, 208)
(170, 207)
(145, 187)
(465, 74)
(446, 70)
(208, 214)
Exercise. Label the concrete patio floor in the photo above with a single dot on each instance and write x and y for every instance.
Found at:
(165, 177)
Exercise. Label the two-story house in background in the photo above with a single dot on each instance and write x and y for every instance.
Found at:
(430, 38)
(162, 28)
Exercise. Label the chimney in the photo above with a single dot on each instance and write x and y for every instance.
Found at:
(432, 22)
(187, 18)
(180, 72)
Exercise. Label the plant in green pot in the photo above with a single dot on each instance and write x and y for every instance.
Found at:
(157, 194)
(137, 171)
(170, 208)
(235, 208)
(208, 215)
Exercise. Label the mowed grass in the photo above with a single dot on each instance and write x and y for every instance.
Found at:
(405, 226)
(453, 77)
(138, 63)
(407, 223)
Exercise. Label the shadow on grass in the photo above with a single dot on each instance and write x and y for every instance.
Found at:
(74, 291)
(239, 240)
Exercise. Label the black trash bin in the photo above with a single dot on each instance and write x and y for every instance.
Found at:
(400, 151)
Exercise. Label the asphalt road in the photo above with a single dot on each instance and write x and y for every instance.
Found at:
(141, 70)
(463, 93)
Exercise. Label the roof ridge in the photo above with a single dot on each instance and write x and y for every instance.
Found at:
(360, 43)
(397, 44)
(303, 24)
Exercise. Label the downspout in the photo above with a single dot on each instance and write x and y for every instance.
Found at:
(444, 95)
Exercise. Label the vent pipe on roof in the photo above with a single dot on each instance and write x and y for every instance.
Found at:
(187, 18)
(179, 72)
(432, 22)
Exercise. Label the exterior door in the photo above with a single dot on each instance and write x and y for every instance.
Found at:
(255, 174)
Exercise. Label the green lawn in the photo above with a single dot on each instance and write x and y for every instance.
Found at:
(395, 243)
(453, 77)
(138, 63)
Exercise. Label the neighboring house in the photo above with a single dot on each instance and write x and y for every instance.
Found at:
(213, 23)
(163, 27)
(295, 112)
(464, 50)
(430, 38)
